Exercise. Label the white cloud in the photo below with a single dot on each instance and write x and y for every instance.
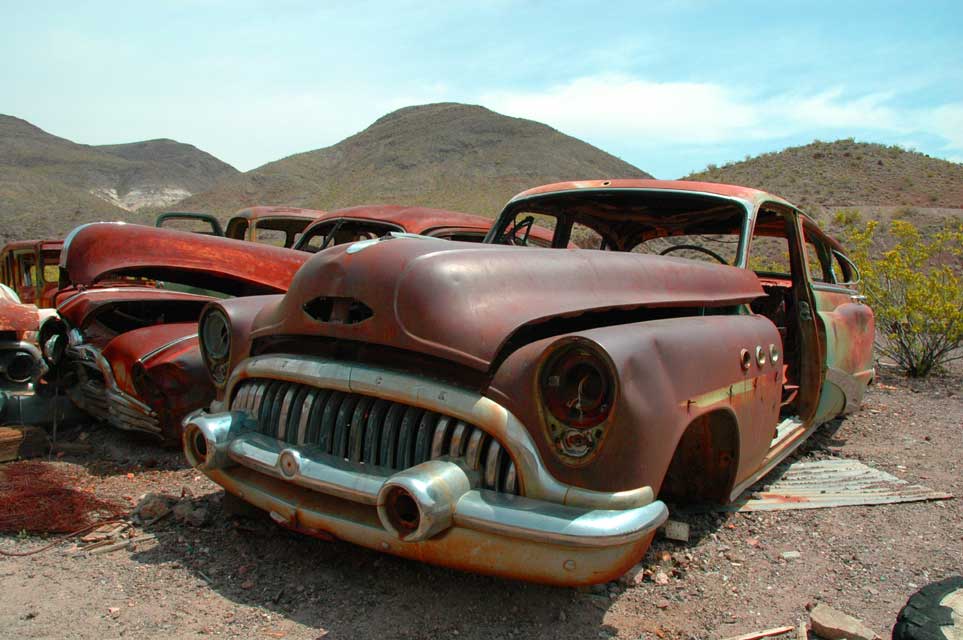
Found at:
(609, 109)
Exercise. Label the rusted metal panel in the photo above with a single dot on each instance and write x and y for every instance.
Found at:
(463, 301)
(18, 318)
(99, 251)
(836, 482)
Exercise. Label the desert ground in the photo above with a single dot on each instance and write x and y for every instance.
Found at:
(229, 576)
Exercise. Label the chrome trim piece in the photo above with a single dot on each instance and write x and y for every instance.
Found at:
(166, 346)
(485, 413)
(120, 409)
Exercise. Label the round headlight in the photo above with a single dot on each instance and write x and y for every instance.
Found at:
(577, 386)
(215, 338)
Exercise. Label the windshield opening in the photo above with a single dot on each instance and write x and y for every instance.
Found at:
(695, 226)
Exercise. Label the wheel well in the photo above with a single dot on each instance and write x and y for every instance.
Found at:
(703, 467)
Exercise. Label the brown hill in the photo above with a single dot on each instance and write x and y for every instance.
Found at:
(49, 184)
(844, 173)
(457, 156)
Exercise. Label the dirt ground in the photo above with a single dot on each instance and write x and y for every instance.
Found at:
(244, 578)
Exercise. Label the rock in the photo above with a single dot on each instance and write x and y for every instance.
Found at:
(562, 617)
(662, 603)
(152, 507)
(197, 517)
(661, 578)
(183, 509)
(634, 576)
(834, 625)
(791, 555)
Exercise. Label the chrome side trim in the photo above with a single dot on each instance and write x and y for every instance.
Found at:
(494, 419)
(170, 344)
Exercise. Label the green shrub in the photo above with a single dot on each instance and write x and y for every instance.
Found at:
(915, 288)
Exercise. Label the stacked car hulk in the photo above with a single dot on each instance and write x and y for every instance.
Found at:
(512, 409)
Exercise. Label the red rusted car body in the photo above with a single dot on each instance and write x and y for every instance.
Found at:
(24, 398)
(368, 222)
(29, 267)
(278, 226)
(128, 310)
(524, 411)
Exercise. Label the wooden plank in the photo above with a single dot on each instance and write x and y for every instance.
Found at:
(777, 631)
(22, 442)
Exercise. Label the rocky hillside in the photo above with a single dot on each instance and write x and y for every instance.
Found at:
(450, 155)
(49, 184)
(832, 175)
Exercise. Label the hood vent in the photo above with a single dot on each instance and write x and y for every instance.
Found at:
(338, 310)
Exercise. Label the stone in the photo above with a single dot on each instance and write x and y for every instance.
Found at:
(152, 507)
(634, 576)
(791, 555)
(197, 517)
(182, 510)
(835, 625)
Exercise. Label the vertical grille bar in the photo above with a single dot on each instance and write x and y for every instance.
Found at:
(372, 430)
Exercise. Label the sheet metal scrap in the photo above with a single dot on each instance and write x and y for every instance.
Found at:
(835, 482)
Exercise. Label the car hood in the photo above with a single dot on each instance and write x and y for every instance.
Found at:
(463, 301)
(103, 250)
(79, 306)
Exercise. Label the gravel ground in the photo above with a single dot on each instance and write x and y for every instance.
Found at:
(247, 578)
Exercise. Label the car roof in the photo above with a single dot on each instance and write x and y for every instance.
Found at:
(253, 213)
(411, 219)
(710, 188)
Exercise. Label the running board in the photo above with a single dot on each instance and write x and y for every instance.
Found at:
(790, 433)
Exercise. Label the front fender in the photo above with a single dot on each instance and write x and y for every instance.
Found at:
(670, 373)
(242, 314)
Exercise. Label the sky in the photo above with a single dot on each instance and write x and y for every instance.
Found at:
(669, 86)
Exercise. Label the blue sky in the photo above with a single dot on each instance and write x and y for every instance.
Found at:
(668, 86)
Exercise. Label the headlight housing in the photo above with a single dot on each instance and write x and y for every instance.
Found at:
(577, 387)
(214, 334)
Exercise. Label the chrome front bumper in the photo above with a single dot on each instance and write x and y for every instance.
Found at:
(432, 512)
(457, 525)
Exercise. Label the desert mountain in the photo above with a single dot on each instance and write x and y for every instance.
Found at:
(49, 184)
(844, 173)
(448, 155)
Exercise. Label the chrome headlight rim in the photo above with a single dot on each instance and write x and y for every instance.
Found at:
(214, 336)
(577, 443)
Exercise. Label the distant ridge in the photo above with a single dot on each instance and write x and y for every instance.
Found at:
(845, 173)
(49, 184)
(449, 155)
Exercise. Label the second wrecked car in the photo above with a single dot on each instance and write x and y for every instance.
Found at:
(125, 342)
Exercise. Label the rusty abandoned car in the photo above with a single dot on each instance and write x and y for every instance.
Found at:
(526, 412)
(124, 345)
(274, 225)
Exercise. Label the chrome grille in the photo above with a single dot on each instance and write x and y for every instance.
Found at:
(371, 430)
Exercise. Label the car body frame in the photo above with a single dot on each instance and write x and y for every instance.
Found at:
(124, 342)
(29, 267)
(528, 412)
